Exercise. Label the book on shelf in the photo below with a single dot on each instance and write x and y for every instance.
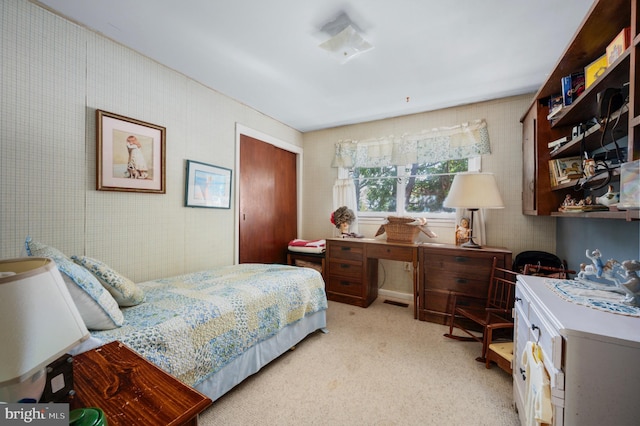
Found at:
(555, 106)
(618, 45)
(572, 87)
(564, 170)
(594, 70)
(557, 142)
(584, 209)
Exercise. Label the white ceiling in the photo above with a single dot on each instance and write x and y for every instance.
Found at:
(428, 54)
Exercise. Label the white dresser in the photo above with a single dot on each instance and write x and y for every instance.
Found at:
(592, 357)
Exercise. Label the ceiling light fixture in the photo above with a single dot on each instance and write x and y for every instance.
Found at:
(346, 41)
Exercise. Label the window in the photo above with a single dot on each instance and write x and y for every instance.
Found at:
(412, 190)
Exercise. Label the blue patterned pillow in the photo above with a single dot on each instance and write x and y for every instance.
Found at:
(125, 291)
(97, 307)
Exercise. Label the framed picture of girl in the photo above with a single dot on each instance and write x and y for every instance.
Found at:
(130, 154)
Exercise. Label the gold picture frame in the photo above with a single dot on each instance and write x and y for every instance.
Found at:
(130, 154)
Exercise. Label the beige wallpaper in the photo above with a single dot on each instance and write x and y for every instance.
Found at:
(54, 75)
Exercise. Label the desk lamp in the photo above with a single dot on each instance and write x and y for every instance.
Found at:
(474, 191)
(40, 323)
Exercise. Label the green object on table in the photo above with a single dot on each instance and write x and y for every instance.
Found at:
(89, 416)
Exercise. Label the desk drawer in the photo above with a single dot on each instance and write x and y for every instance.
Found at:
(460, 282)
(345, 269)
(345, 250)
(389, 252)
(344, 286)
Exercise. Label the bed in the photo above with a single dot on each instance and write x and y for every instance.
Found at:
(210, 329)
(215, 328)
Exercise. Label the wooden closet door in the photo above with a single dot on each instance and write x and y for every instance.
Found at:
(268, 201)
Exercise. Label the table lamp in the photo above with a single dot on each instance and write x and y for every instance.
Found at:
(474, 191)
(40, 322)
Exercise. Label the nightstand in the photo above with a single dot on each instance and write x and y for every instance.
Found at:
(132, 391)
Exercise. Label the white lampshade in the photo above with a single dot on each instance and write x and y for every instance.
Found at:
(40, 321)
(474, 191)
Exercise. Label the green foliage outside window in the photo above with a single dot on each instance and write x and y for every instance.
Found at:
(417, 188)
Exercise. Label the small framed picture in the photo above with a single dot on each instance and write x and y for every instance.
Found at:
(130, 154)
(207, 186)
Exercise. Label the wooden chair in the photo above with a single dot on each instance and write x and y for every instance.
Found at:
(483, 322)
(501, 353)
(547, 271)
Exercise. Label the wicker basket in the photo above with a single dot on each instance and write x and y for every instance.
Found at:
(401, 232)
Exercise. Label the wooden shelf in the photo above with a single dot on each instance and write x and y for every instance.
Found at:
(601, 24)
(586, 106)
(593, 136)
(627, 215)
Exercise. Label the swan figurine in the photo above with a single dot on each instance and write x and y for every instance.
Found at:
(610, 198)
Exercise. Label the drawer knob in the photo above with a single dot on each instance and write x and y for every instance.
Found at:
(345, 248)
(461, 259)
(534, 328)
(518, 299)
(344, 282)
(461, 281)
(344, 265)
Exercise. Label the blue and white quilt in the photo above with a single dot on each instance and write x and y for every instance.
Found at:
(193, 325)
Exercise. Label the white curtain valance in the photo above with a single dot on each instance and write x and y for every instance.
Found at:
(446, 143)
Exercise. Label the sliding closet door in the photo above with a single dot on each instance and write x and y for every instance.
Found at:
(268, 201)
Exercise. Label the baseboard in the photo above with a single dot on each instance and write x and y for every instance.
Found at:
(395, 295)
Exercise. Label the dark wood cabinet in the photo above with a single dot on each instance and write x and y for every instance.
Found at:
(448, 269)
(350, 276)
(602, 24)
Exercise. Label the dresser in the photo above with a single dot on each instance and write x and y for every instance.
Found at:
(592, 357)
(352, 268)
(446, 269)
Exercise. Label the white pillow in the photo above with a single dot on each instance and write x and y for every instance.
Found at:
(97, 307)
(125, 291)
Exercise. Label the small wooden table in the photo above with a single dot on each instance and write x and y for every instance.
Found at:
(315, 258)
(132, 391)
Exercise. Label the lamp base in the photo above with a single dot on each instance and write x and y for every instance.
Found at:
(471, 244)
(59, 384)
(27, 391)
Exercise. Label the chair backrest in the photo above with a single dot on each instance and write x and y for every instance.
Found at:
(502, 288)
(547, 271)
(535, 257)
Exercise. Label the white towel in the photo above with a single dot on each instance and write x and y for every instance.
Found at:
(538, 407)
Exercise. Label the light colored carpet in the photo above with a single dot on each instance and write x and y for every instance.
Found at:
(376, 366)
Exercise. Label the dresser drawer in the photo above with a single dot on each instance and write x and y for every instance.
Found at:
(462, 263)
(345, 269)
(345, 250)
(547, 337)
(345, 286)
(438, 301)
(390, 252)
(457, 281)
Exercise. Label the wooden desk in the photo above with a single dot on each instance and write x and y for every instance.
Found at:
(132, 391)
(352, 268)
